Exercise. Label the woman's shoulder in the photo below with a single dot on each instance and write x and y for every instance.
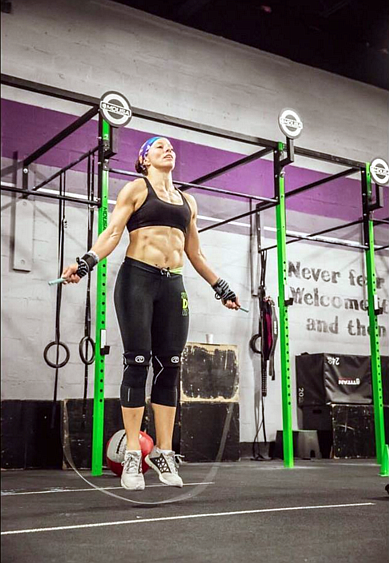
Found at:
(133, 189)
(191, 200)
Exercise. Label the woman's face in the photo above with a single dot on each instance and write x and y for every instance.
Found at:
(161, 155)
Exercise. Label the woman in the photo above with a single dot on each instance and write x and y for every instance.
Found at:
(150, 300)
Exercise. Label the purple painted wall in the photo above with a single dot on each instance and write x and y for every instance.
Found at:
(26, 127)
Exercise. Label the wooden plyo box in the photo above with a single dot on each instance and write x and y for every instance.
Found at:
(209, 403)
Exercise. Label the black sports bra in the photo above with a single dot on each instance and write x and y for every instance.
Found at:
(156, 212)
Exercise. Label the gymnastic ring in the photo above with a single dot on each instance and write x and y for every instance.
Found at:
(86, 340)
(253, 343)
(49, 362)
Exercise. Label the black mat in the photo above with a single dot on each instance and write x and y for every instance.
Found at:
(182, 532)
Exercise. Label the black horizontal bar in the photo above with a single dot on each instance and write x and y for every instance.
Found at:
(197, 186)
(223, 191)
(11, 168)
(329, 158)
(382, 247)
(60, 136)
(228, 220)
(27, 193)
(336, 243)
(126, 173)
(379, 221)
(65, 169)
(228, 167)
(47, 90)
(137, 112)
(152, 116)
(320, 182)
(337, 227)
(202, 128)
(322, 232)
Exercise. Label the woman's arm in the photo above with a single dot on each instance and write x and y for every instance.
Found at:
(110, 237)
(196, 256)
(193, 249)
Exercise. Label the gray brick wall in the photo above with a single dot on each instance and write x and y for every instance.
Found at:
(90, 47)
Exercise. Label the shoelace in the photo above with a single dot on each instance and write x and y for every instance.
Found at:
(131, 464)
(171, 461)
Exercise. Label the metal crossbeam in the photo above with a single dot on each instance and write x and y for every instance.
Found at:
(197, 186)
(26, 193)
(323, 181)
(60, 136)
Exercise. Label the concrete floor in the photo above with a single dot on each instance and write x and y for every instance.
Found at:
(320, 511)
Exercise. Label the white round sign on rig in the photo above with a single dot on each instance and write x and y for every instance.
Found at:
(115, 108)
(379, 170)
(290, 123)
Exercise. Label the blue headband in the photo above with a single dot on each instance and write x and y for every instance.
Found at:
(143, 151)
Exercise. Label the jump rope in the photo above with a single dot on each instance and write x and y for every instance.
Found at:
(88, 358)
(210, 476)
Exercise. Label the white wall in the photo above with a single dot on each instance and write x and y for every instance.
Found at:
(94, 46)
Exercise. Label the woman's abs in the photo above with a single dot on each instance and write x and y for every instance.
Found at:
(162, 247)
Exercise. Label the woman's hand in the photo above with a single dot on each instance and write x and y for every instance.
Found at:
(232, 304)
(226, 295)
(70, 274)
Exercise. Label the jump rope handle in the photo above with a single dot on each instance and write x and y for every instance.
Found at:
(57, 281)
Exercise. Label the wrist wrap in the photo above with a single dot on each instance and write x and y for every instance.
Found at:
(86, 263)
(223, 291)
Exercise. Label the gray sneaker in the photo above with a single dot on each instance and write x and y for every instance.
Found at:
(132, 476)
(165, 465)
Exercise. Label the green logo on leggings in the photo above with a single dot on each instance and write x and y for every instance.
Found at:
(185, 305)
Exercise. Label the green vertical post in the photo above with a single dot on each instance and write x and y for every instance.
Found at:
(98, 404)
(373, 320)
(283, 310)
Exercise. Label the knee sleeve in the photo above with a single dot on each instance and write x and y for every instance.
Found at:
(166, 373)
(132, 390)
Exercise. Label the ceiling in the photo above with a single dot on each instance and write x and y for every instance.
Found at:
(346, 37)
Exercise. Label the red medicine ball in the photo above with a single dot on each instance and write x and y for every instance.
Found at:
(116, 448)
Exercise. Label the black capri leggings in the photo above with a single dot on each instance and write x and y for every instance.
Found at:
(152, 309)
